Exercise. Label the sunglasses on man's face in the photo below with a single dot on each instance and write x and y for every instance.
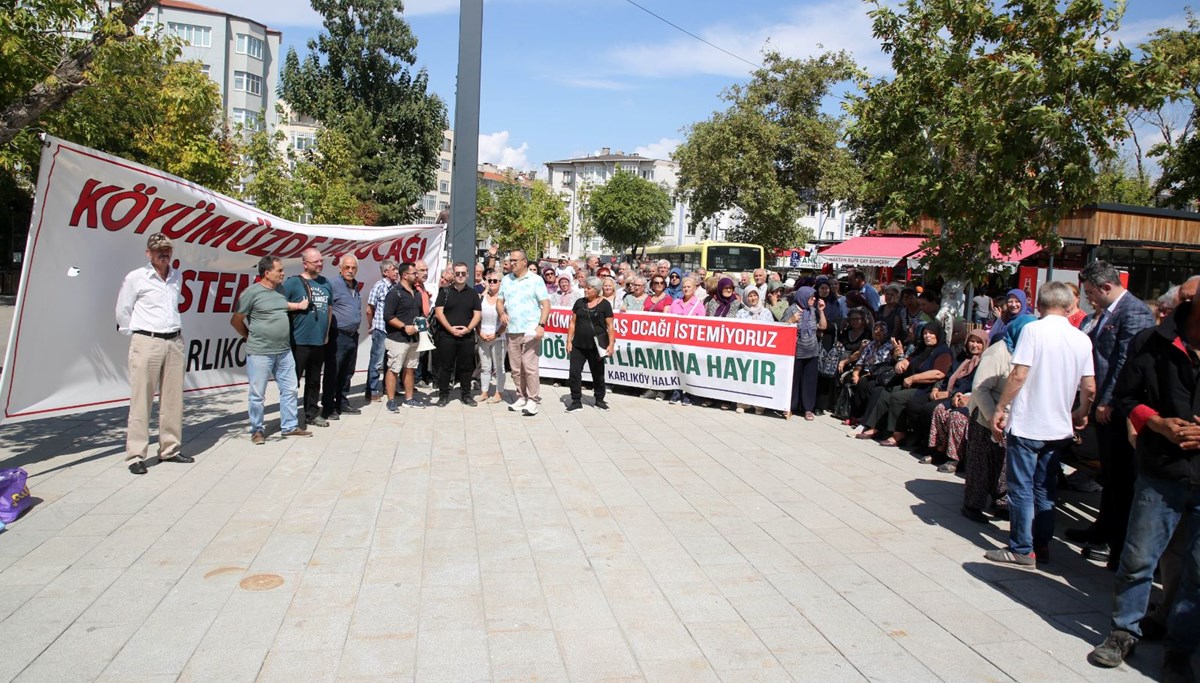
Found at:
(494, 281)
(461, 274)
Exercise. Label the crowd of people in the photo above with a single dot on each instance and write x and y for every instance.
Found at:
(1000, 398)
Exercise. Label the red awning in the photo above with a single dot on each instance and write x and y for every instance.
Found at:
(1023, 251)
(871, 251)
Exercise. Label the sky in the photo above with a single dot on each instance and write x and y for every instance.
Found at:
(566, 78)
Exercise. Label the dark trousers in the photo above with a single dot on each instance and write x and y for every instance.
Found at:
(1119, 470)
(804, 385)
(919, 414)
(340, 355)
(455, 357)
(595, 365)
(310, 358)
(888, 409)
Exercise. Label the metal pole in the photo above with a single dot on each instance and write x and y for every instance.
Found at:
(464, 172)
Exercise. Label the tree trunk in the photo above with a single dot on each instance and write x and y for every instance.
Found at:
(68, 77)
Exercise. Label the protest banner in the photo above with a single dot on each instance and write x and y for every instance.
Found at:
(726, 359)
(92, 215)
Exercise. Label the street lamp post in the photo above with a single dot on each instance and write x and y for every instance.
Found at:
(466, 133)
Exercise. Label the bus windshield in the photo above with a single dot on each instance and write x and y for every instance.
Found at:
(729, 259)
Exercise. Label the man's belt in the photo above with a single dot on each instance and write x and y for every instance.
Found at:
(350, 333)
(158, 335)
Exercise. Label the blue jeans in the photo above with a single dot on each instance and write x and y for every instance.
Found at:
(374, 376)
(259, 368)
(1032, 491)
(1158, 507)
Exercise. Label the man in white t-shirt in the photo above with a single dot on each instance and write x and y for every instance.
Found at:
(1051, 362)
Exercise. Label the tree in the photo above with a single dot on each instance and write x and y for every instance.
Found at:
(993, 121)
(268, 182)
(1116, 183)
(771, 151)
(325, 183)
(142, 105)
(629, 211)
(515, 216)
(43, 64)
(357, 78)
(1179, 150)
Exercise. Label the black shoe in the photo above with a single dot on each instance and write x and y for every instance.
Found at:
(601, 405)
(1116, 648)
(974, 515)
(179, 458)
(1097, 552)
(575, 405)
(349, 410)
(443, 402)
(468, 401)
(138, 467)
(1089, 535)
(333, 416)
(1177, 668)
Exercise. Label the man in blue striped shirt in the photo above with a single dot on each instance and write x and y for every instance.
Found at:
(390, 276)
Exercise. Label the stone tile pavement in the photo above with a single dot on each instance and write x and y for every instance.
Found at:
(652, 542)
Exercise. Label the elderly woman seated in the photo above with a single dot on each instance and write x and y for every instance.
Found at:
(917, 375)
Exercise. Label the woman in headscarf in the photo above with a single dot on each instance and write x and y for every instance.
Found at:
(881, 352)
(777, 303)
(754, 308)
(835, 305)
(1015, 304)
(725, 303)
(985, 471)
(675, 283)
(919, 373)
(566, 296)
(807, 313)
(946, 412)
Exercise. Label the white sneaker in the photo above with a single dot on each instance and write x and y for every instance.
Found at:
(530, 409)
(517, 405)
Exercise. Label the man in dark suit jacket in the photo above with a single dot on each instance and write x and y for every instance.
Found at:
(1124, 317)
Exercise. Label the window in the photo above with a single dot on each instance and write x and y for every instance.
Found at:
(648, 175)
(147, 24)
(247, 82)
(429, 203)
(196, 36)
(445, 144)
(691, 229)
(443, 205)
(249, 45)
(205, 69)
(303, 141)
(566, 177)
(247, 118)
(444, 186)
(445, 164)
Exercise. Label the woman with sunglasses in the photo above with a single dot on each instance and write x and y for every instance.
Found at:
(635, 295)
(675, 283)
(658, 301)
(491, 342)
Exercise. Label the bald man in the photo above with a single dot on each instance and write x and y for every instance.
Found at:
(341, 351)
(310, 331)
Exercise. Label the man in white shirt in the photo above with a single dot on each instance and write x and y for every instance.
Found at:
(1051, 362)
(148, 311)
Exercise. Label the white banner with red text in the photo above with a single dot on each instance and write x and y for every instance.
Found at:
(724, 359)
(92, 215)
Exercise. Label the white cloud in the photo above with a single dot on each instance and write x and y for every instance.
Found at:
(808, 31)
(590, 83)
(495, 149)
(1133, 33)
(659, 150)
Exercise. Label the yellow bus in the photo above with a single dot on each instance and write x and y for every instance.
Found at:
(723, 257)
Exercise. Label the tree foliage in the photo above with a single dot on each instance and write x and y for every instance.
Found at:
(357, 78)
(143, 105)
(994, 119)
(1116, 183)
(629, 211)
(1178, 50)
(771, 151)
(43, 63)
(518, 217)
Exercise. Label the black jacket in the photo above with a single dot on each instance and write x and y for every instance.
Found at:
(1160, 378)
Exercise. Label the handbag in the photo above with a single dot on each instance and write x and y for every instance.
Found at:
(841, 405)
(14, 494)
(884, 373)
(827, 363)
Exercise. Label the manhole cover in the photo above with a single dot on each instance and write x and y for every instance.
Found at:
(261, 582)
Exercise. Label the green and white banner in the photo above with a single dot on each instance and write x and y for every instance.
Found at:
(725, 359)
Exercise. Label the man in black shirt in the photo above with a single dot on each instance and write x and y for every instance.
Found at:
(458, 310)
(401, 310)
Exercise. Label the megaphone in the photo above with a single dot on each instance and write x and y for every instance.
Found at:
(426, 341)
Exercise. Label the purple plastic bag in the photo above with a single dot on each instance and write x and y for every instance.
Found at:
(14, 494)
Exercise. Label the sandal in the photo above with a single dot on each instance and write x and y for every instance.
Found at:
(867, 434)
(889, 443)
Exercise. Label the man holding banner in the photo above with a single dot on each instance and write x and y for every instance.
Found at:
(148, 311)
(262, 319)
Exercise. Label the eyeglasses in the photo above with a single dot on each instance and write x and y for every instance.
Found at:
(493, 281)
(462, 273)
(658, 282)
(674, 277)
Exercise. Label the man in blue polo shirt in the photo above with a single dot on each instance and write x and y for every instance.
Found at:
(310, 331)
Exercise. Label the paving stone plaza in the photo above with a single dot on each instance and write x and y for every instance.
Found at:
(652, 542)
